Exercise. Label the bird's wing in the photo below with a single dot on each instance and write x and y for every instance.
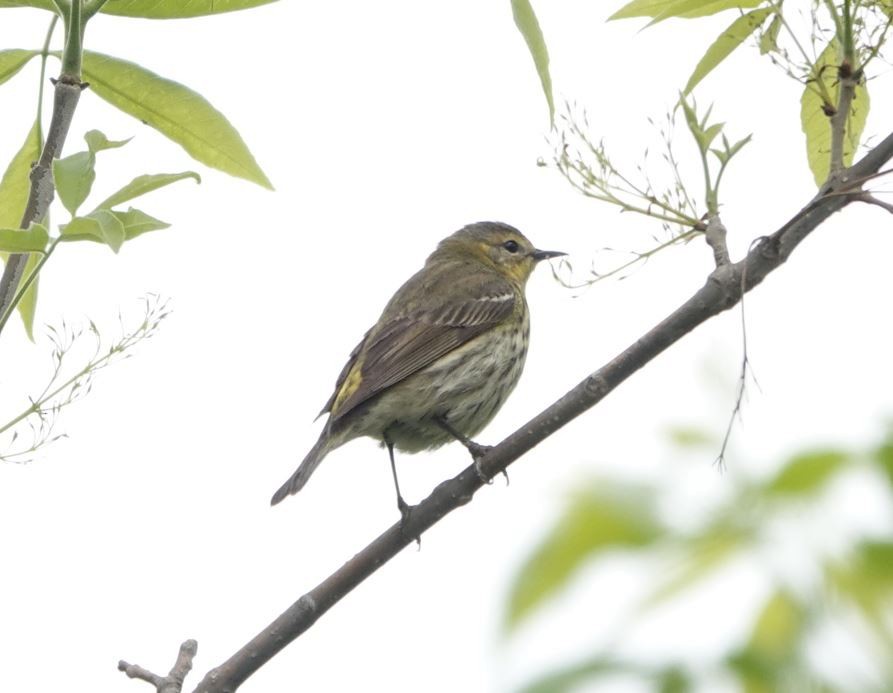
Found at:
(406, 342)
(345, 372)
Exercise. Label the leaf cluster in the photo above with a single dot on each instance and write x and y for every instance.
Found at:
(607, 519)
(173, 109)
(854, 31)
(36, 174)
(830, 60)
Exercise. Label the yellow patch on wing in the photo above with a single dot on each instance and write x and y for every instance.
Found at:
(350, 385)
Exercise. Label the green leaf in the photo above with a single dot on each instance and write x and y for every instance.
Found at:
(74, 176)
(778, 628)
(875, 559)
(696, 559)
(101, 225)
(97, 141)
(865, 578)
(816, 124)
(710, 134)
(176, 9)
(145, 184)
(15, 184)
(674, 680)
(691, 119)
(111, 228)
(593, 522)
(704, 134)
(155, 9)
(14, 189)
(883, 457)
(807, 473)
(769, 38)
(81, 229)
(735, 148)
(13, 60)
(737, 32)
(569, 678)
(32, 240)
(175, 111)
(40, 4)
(136, 223)
(27, 306)
(687, 9)
(688, 437)
(767, 661)
(99, 228)
(529, 26)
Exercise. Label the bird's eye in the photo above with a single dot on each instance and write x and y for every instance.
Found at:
(511, 246)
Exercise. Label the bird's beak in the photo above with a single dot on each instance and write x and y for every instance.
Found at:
(538, 255)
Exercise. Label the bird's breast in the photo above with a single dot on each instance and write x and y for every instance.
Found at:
(467, 386)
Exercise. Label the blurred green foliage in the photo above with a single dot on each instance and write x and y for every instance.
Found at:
(781, 651)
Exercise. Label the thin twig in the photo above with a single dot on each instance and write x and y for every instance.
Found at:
(742, 377)
(872, 200)
(173, 682)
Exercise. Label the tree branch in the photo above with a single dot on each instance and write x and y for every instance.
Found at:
(42, 191)
(868, 198)
(849, 78)
(715, 235)
(173, 682)
(723, 289)
(67, 93)
(838, 120)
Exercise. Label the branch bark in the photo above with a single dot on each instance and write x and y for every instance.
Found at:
(173, 682)
(65, 100)
(723, 289)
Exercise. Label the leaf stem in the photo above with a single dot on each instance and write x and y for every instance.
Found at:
(44, 53)
(63, 8)
(74, 35)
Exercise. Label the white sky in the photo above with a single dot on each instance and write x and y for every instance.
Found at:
(384, 127)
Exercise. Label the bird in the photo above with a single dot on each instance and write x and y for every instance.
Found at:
(443, 357)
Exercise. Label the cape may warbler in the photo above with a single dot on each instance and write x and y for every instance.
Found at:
(444, 355)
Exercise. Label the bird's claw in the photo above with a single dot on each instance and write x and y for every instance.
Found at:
(477, 452)
(405, 513)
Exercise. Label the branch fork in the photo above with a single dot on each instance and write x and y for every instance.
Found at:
(173, 682)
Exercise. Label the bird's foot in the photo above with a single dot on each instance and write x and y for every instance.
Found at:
(405, 513)
(477, 452)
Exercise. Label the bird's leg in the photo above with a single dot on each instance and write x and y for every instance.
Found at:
(404, 507)
(476, 449)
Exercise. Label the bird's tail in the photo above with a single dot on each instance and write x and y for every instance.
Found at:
(307, 467)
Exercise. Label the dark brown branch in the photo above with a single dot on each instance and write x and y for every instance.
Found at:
(173, 682)
(65, 101)
(723, 289)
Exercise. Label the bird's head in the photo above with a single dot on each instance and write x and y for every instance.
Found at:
(496, 245)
